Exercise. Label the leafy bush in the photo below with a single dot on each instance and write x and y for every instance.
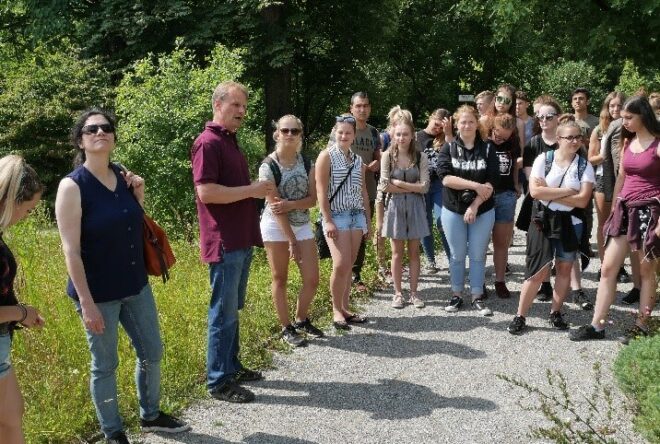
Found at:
(562, 77)
(162, 106)
(637, 368)
(631, 80)
(41, 92)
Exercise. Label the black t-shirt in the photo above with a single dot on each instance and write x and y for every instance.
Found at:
(479, 164)
(506, 153)
(535, 146)
(7, 275)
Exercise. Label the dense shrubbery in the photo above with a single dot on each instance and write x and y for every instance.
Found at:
(562, 77)
(162, 105)
(638, 370)
(41, 91)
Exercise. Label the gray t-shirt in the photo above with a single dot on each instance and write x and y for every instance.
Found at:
(588, 124)
(366, 142)
(293, 186)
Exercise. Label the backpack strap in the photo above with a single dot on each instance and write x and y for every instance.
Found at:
(275, 169)
(549, 157)
(375, 136)
(582, 165)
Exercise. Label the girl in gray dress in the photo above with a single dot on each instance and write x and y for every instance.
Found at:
(404, 174)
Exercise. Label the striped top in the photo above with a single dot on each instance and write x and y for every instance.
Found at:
(349, 196)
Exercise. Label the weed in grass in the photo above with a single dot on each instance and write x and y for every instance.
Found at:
(573, 421)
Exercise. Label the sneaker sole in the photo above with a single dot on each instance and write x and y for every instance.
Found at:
(152, 429)
(516, 332)
(451, 309)
(486, 312)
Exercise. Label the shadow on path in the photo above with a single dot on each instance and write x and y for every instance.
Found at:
(388, 399)
(399, 347)
(255, 438)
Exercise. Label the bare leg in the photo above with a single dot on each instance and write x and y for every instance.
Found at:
(11, 410)
(340, 279)
(309, 272)
(647, 295)
(355, 237)
(397, 263)
(278, 260)
(529, 289)
(414, 263)
(603, 209)
(562, 281)
(615, 253)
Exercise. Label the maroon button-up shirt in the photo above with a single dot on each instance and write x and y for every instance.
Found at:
(216, 158)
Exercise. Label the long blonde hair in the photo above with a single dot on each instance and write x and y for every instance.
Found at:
(18, 183)
(394, 147)
(276, 133)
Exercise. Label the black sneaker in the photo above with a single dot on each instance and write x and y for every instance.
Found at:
(516, 326)
(292, 337)
(307, 327)
(557, 321)
(232, 392)
(586, 333)
(580, 298)
(247, 375)
(117, 438)
(623, 277)
(454, 304)
(634, 333)
(632, 297)
(545, 292)
(507, 270)
(164, 423)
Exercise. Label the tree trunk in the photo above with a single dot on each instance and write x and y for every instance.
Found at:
(277, 80)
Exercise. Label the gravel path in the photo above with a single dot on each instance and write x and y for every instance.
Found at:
(414, 375)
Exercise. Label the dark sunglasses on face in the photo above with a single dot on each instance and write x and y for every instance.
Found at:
(292, 131)
(503, 99)
(547, 117)
(93, 129)
(347, 119)
(571, 138)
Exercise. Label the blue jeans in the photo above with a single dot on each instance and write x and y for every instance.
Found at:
(433, 212)
(5, 351)
(568, 256)
(228, 287)
(471, 240)
(138, 315)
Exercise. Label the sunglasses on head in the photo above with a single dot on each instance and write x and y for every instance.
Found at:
(292, 131)
(347, 119)
(547, 117)
(571, 138)
(93, 129)
(503, 99)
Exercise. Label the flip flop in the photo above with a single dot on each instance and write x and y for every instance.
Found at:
(356, 319)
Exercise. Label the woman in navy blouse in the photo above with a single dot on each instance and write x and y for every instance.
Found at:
(99, 216)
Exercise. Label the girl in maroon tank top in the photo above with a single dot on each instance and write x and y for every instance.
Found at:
(633, 223)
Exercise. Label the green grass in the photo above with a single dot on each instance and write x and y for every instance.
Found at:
(53, 364)
(637, 368)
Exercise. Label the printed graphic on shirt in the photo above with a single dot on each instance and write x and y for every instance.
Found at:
(506, 162)
(469, 165)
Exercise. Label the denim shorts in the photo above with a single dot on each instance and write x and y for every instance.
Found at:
(505, 207)
(5, 349)
(349, 220)
(568, 256)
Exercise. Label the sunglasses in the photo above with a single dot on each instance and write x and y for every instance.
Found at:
(571, 138)
(547, 117)
(93, 129)
(292, 131)
(503, 99)
(347, 119)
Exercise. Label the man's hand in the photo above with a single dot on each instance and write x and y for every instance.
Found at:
(261, 188)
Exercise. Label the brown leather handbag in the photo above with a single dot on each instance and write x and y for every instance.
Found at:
(158, 255)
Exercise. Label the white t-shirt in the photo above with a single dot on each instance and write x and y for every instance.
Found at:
(555, 174)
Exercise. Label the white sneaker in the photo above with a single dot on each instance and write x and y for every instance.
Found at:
(397, 301)
(480, 305)
(416, 301)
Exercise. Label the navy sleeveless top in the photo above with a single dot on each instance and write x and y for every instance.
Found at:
(110, 238)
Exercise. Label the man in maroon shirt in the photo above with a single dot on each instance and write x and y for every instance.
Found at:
(229, 228)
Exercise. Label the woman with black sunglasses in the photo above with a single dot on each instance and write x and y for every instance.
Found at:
(286, 229)
(340, 177)
(505, 103)
(99, 216)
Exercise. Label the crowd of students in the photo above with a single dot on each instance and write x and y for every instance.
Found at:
(461, 175)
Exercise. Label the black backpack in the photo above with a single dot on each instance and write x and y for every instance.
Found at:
(277, 175)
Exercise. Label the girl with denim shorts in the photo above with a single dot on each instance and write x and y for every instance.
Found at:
(347, 219)
(503, 141)
(20, 191)
(561, 191)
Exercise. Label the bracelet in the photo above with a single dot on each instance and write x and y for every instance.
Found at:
(25, 312)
